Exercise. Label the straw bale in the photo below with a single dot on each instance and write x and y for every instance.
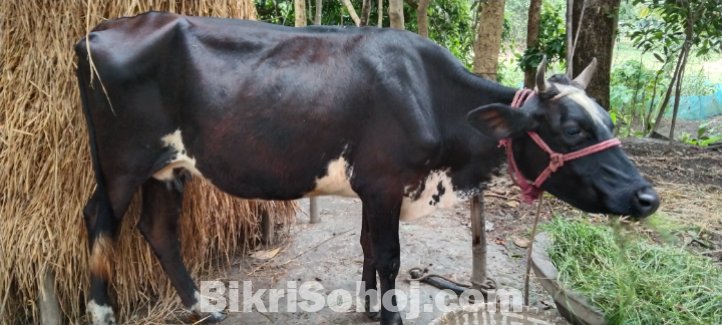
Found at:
(46, 175)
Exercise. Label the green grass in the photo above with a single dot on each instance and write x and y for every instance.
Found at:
(633, 281)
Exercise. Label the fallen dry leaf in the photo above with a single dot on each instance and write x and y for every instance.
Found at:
(264, 255)
(521, 242)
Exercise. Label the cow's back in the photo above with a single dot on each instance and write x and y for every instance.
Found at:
(273, 105)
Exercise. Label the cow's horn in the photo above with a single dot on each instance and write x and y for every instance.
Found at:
(585, 77)
(541, 82)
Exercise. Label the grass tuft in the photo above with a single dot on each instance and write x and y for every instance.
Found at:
(638, 283)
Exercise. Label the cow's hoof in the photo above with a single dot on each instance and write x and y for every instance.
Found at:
(101, 314)
(395, 320)
(213, 317)
(373, 315)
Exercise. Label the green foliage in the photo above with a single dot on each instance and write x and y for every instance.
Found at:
(450, 25)
(552, 39)
(697, 85)
(450, 21)
(509, 74)
(662, 25)
(630, 73)
(632, 90)
(705, 136)
(518, 15)
(633, 281)
(282, 12)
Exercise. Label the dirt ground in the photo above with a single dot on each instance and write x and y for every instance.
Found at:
(689, 180)
(332, 256)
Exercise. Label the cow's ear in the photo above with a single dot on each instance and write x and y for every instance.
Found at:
(499, 121)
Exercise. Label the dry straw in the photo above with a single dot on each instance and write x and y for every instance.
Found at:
(46, 175)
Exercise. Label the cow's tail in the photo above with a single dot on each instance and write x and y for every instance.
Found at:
(99, 215)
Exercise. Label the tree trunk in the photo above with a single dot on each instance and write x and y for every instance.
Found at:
(681, 63)
(300, 10)
(488, 40)
(422, 17)
(645, 127)
(532, 39)
(319, 7)
(365, 12)
(596, 39)
(396, 13)
(352, 12)
(677, 95)
(381, 13)
(662, 108)
(570, 37)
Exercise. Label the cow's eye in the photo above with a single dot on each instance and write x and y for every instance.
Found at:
(572, 130)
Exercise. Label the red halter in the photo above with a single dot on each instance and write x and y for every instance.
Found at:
(531, 192)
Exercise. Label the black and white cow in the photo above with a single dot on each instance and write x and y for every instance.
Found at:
(277, 113)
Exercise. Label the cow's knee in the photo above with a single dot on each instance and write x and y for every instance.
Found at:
(388, 266)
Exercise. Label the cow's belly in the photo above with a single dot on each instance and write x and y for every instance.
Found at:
(437, 193)
(337, 180)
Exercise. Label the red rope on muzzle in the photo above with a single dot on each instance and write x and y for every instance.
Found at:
(531, 192)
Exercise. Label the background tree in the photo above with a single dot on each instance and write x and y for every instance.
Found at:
(300, 12)
(352, 12)
(396, 14)
(380, 16)
(532, 39)
(596, 39)
(319, 7)
(422, 17)
(488, 40)
(365, 12)
(698, 21)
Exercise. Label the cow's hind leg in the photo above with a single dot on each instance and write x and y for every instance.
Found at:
(369, 271)
(159, 225)
(103, 214)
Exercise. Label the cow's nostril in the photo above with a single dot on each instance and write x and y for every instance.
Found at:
(647, 201)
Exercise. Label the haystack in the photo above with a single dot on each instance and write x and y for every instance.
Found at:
(46, 175)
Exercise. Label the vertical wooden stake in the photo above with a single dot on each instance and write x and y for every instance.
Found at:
(478, 242)
(267, 227)
(313, 211)
(48, 304)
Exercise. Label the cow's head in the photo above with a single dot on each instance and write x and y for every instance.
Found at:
(568, 120)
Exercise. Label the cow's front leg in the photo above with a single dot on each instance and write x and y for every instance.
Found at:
(382, 214)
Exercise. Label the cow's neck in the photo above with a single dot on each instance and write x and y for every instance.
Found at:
(470, 157)
(475, 91)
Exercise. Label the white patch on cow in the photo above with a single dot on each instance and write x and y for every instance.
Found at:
(581, 98)
(432, 197)
(337, 180)
(100, 315)
(180, 158)
(200, 301)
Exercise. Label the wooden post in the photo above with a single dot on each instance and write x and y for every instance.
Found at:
(313, 211)
(267, 227)
(48, 304)
(478, 242)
